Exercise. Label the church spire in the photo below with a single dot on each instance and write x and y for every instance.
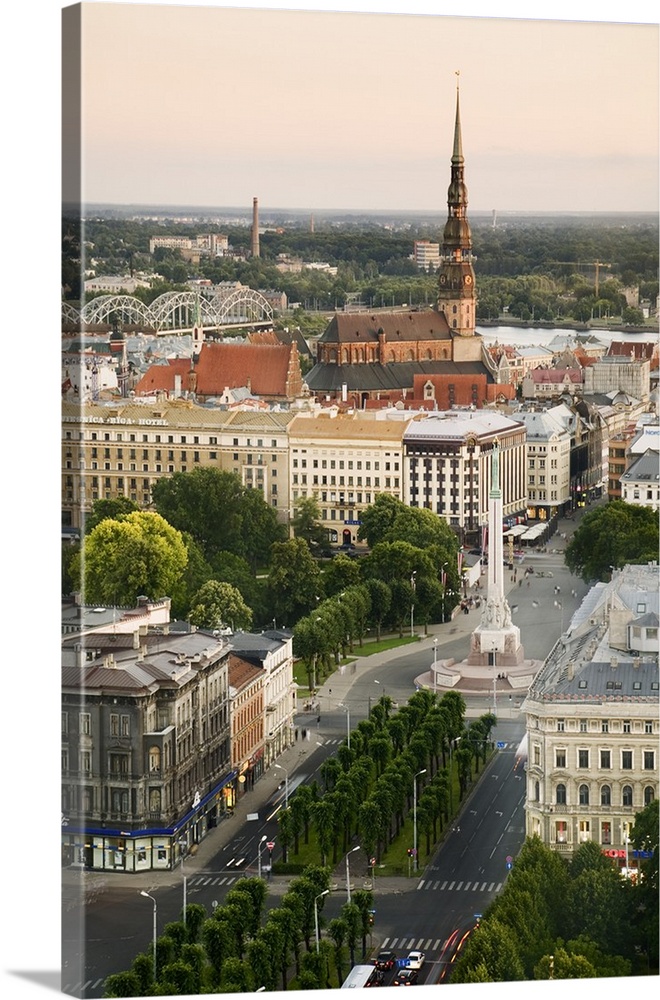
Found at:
(456, 297)
(457, 156)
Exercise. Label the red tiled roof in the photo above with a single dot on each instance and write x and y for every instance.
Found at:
(222, 366)
(160, 378)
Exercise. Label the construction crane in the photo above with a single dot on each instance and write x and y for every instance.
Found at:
(597, 264)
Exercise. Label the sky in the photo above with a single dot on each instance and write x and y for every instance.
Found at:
(321, 110)
(30, 74)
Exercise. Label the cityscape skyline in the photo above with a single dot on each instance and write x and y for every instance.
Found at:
(309, 127)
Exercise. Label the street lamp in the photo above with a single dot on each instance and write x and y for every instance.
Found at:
(143, 893)
(348, 723)
(286, 784)
(412, 603)
(348, 873)
(457, 739)
(316, 916)
(443, 576)
(261, 842)
(423, 771)
(184, 843)
(435, 660)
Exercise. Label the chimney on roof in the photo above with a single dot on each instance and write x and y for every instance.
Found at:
(614, 662)
(255, 227)
(136, 639)
(570, 670)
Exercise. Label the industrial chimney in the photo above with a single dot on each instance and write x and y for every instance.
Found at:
(255, 227)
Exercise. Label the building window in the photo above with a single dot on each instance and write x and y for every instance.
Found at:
(560, 757)
(85, 723)
(65, 722)
(606, 796)
(649, 760)
(85, 761)
(583, 725)
(627, 795)
(125, 725)
(560, 831)
(606, 832)
(583, 795)
(626, 760)
(154, 758)
(114, 725)
(648, 727)
(560, 725)
(606, 759)
(560, 795)
(605, 726)
(583, 758)
(649, 795)
(626, 725)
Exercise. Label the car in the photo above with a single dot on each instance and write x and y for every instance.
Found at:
(415, 960)
(377, 978)
(385, 960)
(405, 977)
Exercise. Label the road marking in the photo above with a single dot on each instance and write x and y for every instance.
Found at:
(458, 886)
(443, 885)
(206, 881)
(436, 944)
(483, 886)
(436, 884)
(475, 887)
(499, 886)
(231, 880)
(420, 885)
(452, 886)
(490, 887)
(385, 942)
(393, 942)
(467, 886)
(427, 945)
(419, 944)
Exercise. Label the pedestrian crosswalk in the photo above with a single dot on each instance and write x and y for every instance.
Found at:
(456, 886)
(410, 944)
(202, 881)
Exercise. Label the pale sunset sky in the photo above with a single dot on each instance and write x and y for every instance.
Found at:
(216, 105)
(208, 105)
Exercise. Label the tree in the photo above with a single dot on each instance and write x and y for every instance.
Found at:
(306, 523)
(294, 580)
(611, 536)
(140, 553)
(377, 519)
(196, 573)
(219, 604)
(102, 509)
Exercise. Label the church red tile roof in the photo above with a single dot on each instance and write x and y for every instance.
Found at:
(160, 378)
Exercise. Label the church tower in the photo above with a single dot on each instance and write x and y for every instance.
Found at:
(456, 295)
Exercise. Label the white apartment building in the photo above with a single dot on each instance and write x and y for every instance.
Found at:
(426, 255)
(640, 483)
(592, 719)
(548, 464)
(447, 458)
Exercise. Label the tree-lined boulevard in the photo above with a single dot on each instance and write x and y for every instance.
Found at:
(474, 851)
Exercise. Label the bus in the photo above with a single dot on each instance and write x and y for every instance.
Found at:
(362, 975)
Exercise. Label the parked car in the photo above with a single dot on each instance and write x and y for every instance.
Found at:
(405, 977)
(385, 960)
(415, 959)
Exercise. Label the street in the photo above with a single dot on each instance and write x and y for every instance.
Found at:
(431, 911)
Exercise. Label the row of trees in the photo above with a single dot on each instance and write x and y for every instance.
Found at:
(235, 951)
(609, 537)
(368, 785)
(569, 920)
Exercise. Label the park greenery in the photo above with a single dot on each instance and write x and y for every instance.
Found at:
(610, 536)
(217, 550)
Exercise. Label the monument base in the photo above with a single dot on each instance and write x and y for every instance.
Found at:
(500, 646)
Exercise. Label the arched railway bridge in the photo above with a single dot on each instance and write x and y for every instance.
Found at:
(172, 312)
